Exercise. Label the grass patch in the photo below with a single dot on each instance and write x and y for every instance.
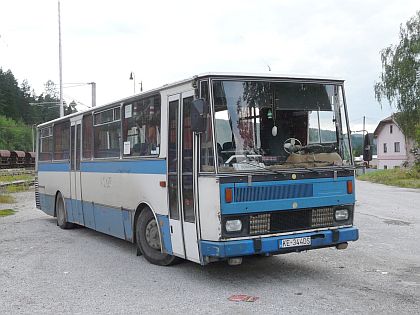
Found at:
(5, 198)
(16, 188)
(11, 178)
(6, 212)
(408, 178)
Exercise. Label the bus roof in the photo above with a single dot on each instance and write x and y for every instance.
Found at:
(204, 75)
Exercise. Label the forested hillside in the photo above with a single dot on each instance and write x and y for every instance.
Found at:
(21, 108)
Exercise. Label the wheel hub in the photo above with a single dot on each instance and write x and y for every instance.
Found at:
(152, 235)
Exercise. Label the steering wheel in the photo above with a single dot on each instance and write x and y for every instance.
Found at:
(292, 145)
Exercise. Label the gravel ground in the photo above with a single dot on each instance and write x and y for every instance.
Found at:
(44, 269)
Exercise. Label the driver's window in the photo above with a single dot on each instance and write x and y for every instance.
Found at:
(327, 126)
(322, 127)
(313, 127)
(225, 142)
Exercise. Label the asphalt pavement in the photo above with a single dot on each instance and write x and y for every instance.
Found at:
(44, 269)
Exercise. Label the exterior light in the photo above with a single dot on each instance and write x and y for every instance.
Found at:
(228, 195)
(349, 186)
(233, 225)
(341, 215)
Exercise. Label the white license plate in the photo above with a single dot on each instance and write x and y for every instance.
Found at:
(295, 242)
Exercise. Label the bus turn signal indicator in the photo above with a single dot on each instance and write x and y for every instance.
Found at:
(349, 187)
(228, 195)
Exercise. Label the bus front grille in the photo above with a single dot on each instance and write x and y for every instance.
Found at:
(291, 220)
(273, 192)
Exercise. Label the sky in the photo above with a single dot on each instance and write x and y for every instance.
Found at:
(166, 41)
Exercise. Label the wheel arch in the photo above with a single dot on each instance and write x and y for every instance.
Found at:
(55, 202)
(143, 206)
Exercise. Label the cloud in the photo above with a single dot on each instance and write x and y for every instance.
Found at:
(164, 41)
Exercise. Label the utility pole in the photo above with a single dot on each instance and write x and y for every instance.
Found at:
(60, 62)
(364, 123)
(93, 93)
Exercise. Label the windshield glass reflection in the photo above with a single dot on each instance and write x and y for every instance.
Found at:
(266, 125)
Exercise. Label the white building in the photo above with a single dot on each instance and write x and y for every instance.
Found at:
(393, 147)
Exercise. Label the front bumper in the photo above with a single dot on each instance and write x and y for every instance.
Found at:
(270, 245)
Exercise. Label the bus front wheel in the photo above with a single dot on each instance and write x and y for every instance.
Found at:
(148, 240)
(61, 213)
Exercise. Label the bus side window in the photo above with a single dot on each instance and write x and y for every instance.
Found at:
(206, 142)
(107, 133)
(61, 136)
(45, 144)
(87, 136)
(141, 127)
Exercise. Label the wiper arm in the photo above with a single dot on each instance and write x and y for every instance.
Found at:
(280, 172)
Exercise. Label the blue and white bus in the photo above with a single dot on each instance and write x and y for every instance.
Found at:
(215, 167)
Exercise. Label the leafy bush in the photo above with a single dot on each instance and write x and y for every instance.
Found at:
(409, 178)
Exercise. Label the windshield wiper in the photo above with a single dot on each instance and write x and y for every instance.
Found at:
(280, 172)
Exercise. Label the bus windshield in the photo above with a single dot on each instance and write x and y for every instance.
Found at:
(279, 125)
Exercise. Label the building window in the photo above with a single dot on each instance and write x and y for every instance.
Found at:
(396, 147)
(385, 148)
(141, 127)
(390, 128)
(107, 133)
(61, 140)
(385, 167)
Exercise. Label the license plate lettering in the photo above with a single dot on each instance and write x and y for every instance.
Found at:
(295, 242)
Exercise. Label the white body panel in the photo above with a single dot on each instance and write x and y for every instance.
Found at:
(111, 189)
(177, 239)
(125, 190)
(51, 182)
(191, 242)
(209, 200)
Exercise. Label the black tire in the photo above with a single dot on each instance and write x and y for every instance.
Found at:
(62, 214)
(148, 241)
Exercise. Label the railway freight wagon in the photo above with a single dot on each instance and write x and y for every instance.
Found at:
(4, 158)
(17, 158)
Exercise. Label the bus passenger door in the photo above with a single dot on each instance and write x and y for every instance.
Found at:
(180, 178)
(75, 176)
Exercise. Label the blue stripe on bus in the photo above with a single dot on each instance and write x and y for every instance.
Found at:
(47, 203)
(324, 192)
(54, 167)
(119, 166)
(165, 233)
(272, 244)
(113, 221)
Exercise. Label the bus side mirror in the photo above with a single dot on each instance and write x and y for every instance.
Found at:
(367, 149)
(199, 111)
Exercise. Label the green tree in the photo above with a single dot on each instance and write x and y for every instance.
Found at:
(400, 79)
(21, 108)
(14, 135)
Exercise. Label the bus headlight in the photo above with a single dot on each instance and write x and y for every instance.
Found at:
(233, 225)
(341, 215)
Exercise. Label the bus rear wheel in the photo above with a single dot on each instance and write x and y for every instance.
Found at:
(61, 214)
(148, 240)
